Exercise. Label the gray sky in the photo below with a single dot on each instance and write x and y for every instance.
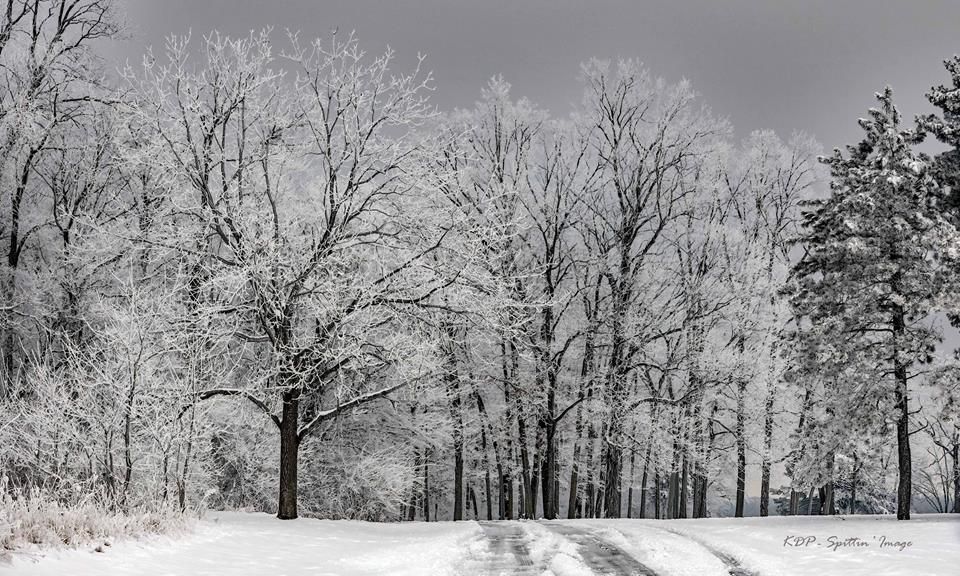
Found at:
(808, 65)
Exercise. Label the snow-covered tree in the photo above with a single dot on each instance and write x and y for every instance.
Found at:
(876, 265)
(302, 201)
(649, 137)
(51, 84)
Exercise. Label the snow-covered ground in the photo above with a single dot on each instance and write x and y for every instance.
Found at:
(253, 544)
(238, 544)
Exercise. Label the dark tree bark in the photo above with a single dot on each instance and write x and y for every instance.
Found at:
(548, 472)
(289, 451)
(489, 492)
(586, 390)
(854, 477)
(643, 480)
(572, 497)
(904, 485)
(767, 445)
(633, 459)
(673, 482)
(426, 486)
(956, 475)
(506, 476)
(473, 501)
(589, 491)
(547, 425)
(616, 388)
(656, 495)
(458, 484)
(741, 439)
(484, 430)
(556, 489)
(683, 488)
(827, 507)
(453, 382)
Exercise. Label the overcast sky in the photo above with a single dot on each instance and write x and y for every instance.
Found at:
(808, 65)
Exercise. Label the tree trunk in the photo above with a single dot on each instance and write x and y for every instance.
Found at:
(826, 505)
(904, 485)
(128, 437)
(741, 445)
(826, 492)
(956, 476)
(522, 503)
(414, 499)
(473, 500)
(489, 492)
(484, 427)
(548, 473)
(506, 478)
(458, 483)
(615, 390)
(426, 486)
(683, 489)
(643, 480)
(556, 488)
(698, 441)
(613, 471)
(453, 388)
(673, 481)
(547, 421)
(656, 495)
(767, 445)
(804, 408)
(289, 450)
(572, 500)
(699, 479)
(504, 492)
(853, 485)
(185, 475)
(591, 472)
(586, 390)
(633, 459)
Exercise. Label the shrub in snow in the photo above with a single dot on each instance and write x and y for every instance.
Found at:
(371, 486)
(36, 518)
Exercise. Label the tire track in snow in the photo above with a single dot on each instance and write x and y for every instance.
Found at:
(508, 547)
(600, 555)
(733, 565)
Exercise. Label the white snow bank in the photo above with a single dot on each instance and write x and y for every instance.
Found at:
(661, 551)
(241, 544)
(559, 555)
(928, 545)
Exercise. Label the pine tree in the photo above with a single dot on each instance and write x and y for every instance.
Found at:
(946, 129)
(872, 273)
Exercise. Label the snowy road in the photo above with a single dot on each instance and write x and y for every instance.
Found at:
(508, 550)
(238, 544)
(600, 555)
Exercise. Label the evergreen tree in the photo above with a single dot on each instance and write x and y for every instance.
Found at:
(946, 129)
(872, 275)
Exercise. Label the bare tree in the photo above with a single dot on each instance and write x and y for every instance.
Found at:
(647, 137)
(303, 200)
(49, 78)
